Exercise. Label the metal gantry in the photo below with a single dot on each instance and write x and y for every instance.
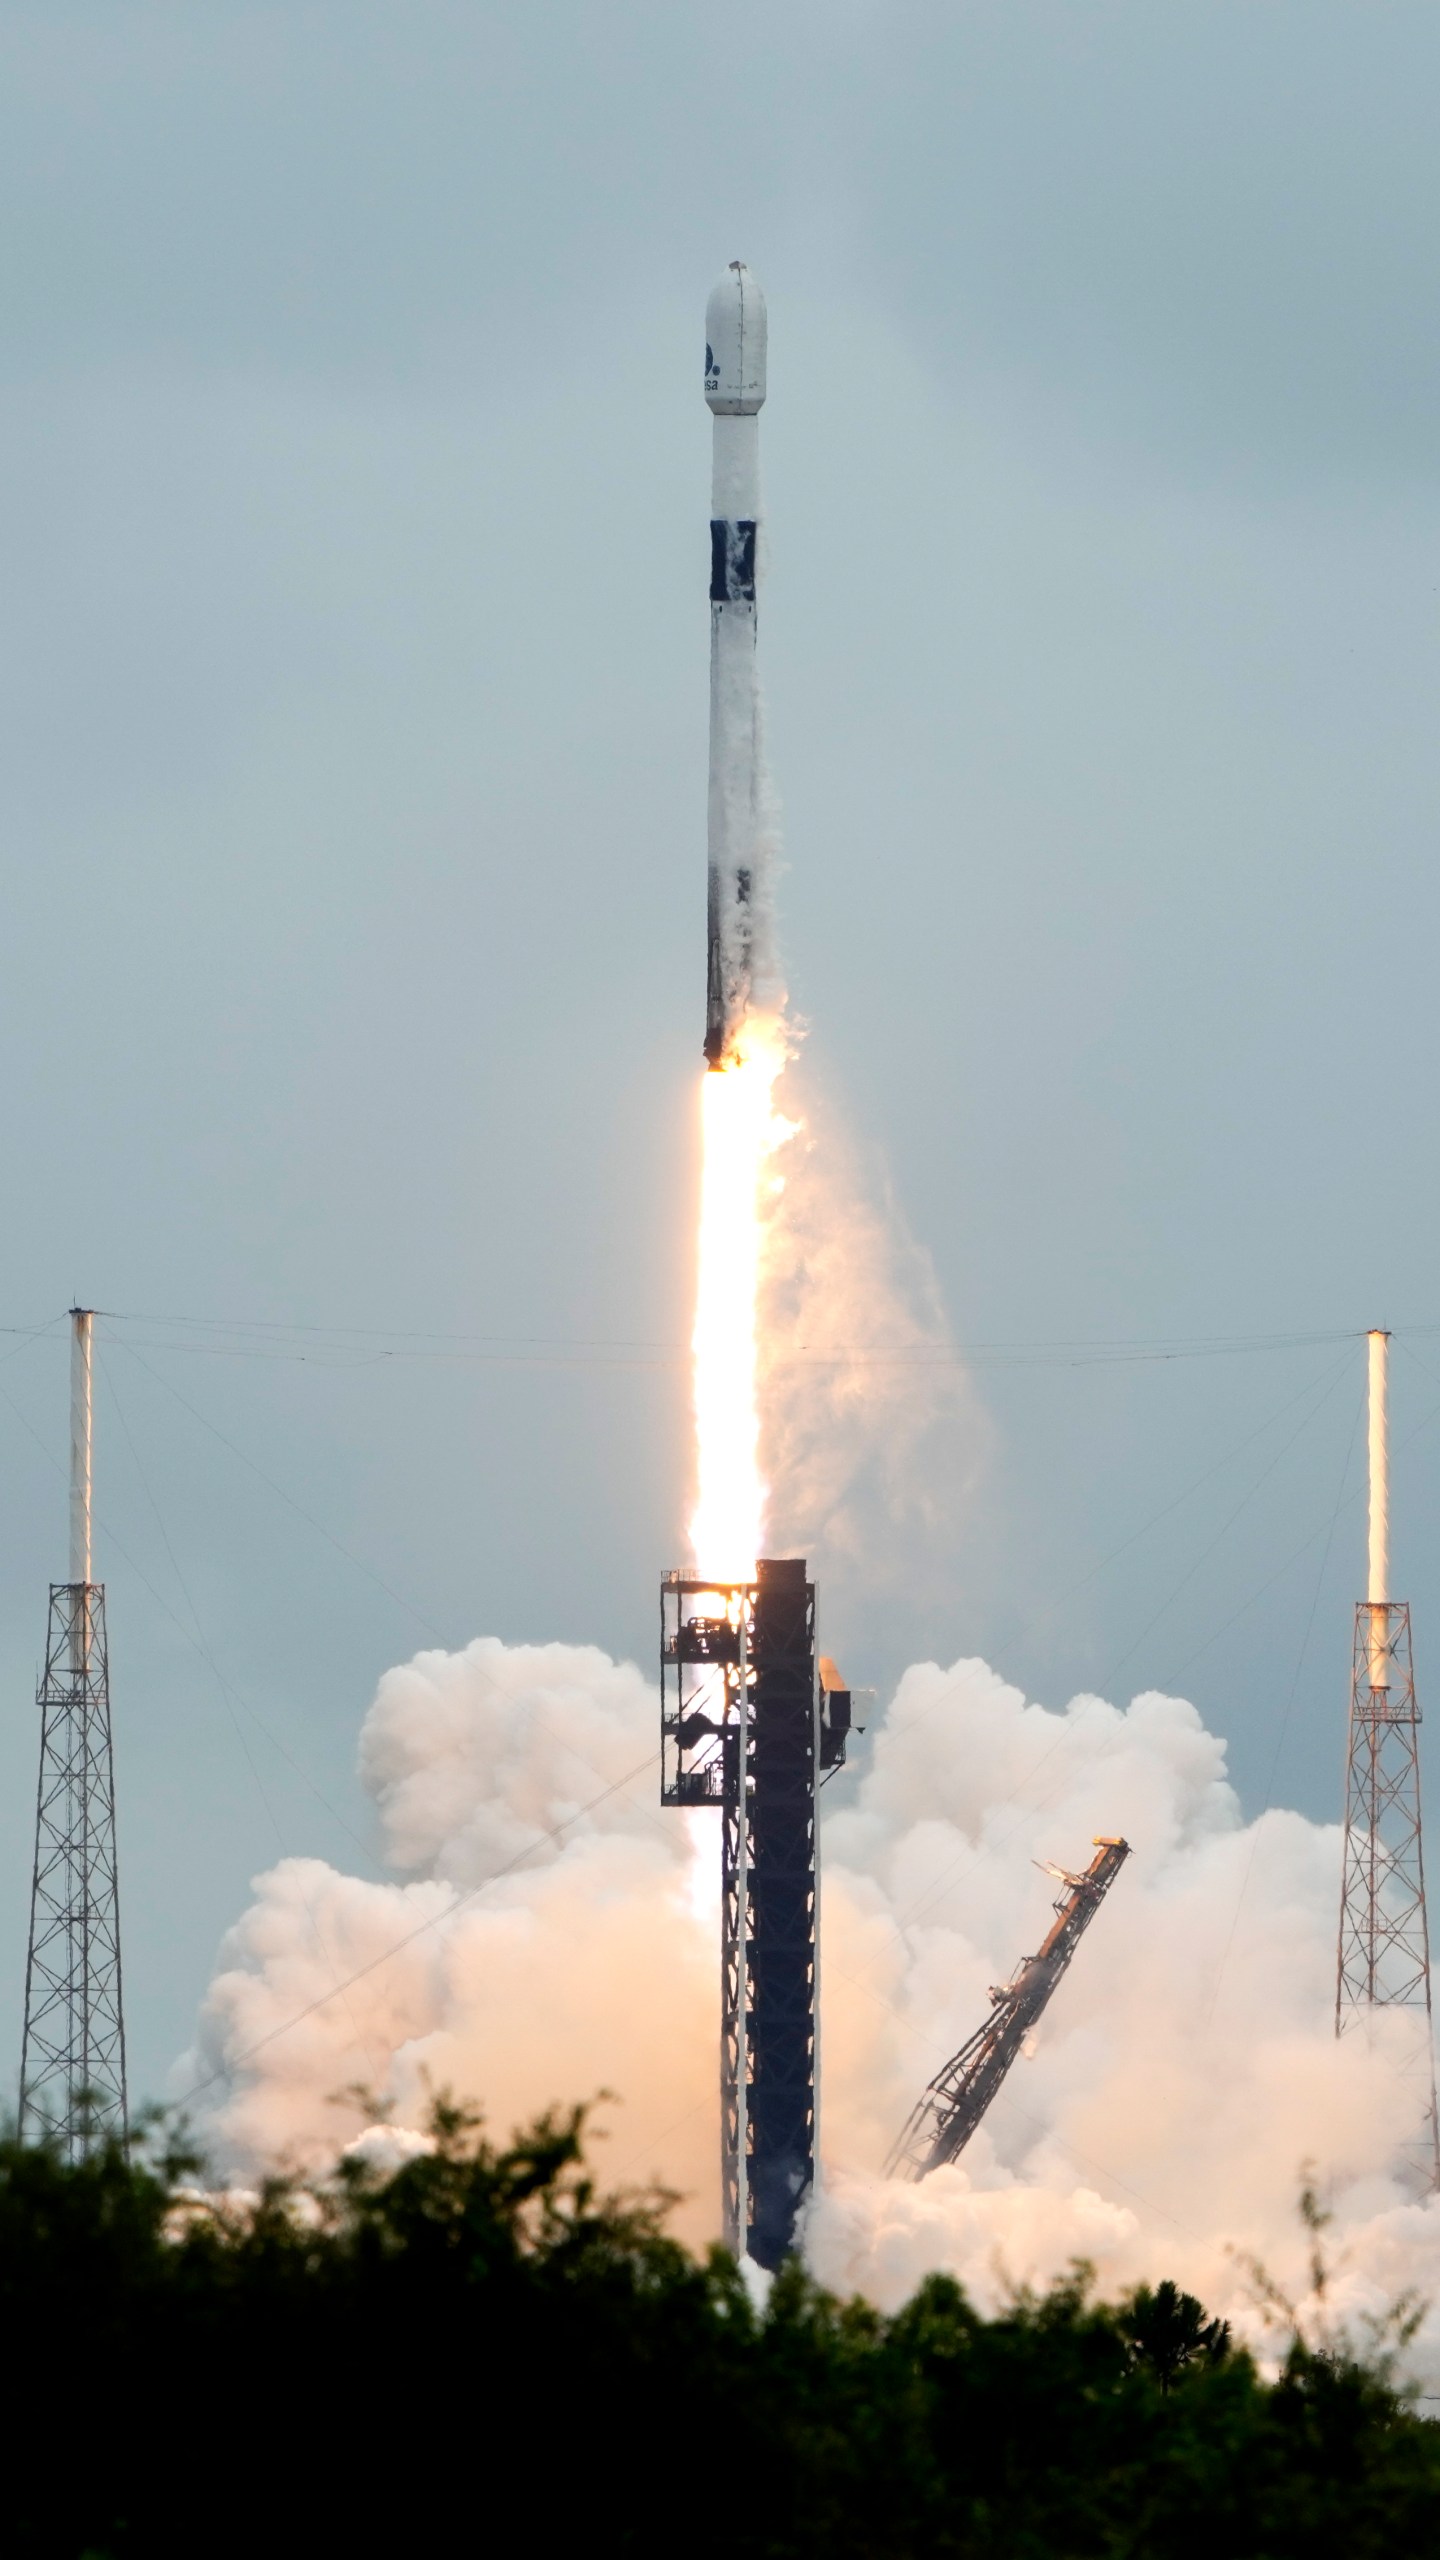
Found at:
(1384, 1952)
(944, 2119)
(72, 2066)
(746, 1727)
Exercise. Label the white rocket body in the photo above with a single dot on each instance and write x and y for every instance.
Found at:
(738, 900)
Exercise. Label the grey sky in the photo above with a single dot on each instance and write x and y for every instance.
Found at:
(352, 497)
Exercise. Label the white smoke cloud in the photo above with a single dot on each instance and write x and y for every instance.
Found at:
(552, 1933)
(583, 1965)
(872, 1437)
(1187, 2070)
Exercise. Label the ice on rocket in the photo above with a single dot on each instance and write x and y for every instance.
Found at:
(735, 345)
(734, 392)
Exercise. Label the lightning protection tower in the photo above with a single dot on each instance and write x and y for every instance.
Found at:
(746, 1725)
(72, 2066)
(1384, 1961)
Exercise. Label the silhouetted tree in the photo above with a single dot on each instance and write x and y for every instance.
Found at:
(1168, 2331)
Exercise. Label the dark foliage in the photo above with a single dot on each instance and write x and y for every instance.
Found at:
(479, 2353)
(1168, 2332)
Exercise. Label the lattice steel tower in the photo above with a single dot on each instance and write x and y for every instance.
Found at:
(72, 2065)
(1384, 1959)
(939, 2126)
(751, 1723)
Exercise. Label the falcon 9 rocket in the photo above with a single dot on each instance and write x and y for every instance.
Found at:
(738, 904)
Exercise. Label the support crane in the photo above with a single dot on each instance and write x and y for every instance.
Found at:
(958, 2096)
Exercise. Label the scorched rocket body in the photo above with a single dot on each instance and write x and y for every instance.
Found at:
(738, 906)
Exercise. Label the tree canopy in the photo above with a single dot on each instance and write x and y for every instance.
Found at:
(478, 2350)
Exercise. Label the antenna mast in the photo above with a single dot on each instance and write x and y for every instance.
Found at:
(72, 2064)
(1384, 1955)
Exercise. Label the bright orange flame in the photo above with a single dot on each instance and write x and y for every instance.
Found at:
(740, 1131)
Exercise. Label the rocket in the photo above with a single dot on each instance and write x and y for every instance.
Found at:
(738, 900)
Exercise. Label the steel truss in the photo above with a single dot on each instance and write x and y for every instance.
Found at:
(1384, 1959)
(744, 1727)
(72, 2069)
(941, 2124)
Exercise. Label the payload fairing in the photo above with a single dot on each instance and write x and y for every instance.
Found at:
(738, 905)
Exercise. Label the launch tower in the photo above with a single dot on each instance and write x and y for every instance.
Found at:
(747, 1727)
(1384, 1960)
(946, 2116)
(72, 2064)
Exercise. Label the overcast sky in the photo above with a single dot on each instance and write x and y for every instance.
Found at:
(354, 480)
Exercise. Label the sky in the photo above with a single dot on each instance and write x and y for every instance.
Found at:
(353, 491)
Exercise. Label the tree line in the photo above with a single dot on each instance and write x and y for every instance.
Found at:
(480, 2351)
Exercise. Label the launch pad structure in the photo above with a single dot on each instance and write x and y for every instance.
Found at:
(947, 2114)
(1384, 1951)
(751, 1725)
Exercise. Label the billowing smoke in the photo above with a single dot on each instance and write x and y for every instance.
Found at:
(553, 1933)
(544, 1946)
(872, 1437)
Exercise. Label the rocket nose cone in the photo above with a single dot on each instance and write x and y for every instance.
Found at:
(735, 344)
